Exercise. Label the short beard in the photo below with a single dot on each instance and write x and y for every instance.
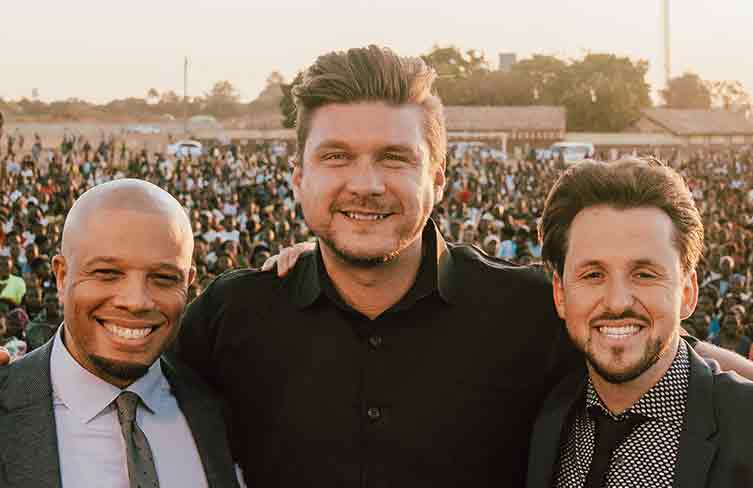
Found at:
(653, 353)
(118, 369)
(358, 261)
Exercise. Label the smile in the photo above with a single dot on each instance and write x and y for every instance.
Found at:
(365, 216)
(126, 332)
(619, 332)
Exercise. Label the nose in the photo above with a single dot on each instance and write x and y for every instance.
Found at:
(619, 296)
(365, 179)
(134, 295)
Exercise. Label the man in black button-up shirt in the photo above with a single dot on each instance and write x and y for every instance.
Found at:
(446, 399)
(386, 358)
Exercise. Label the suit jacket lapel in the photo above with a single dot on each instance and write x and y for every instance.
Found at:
(697, 450)
(204, 418)
(29, 456)
(547, 431)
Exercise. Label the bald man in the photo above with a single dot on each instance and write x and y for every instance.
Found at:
(100, 404)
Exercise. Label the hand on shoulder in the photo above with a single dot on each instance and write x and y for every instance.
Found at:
(287, 258)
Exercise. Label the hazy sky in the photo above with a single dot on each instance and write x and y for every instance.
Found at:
(104, 50)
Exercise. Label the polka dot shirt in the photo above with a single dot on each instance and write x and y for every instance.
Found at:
(647, 456)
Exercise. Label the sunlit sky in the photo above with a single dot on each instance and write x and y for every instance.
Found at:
(98, 51)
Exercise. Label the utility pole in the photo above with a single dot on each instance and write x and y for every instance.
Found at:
(667, 43)
(185, 96)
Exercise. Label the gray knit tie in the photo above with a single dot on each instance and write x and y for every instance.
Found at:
(141, 470)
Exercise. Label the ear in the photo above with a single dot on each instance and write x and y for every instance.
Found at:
(60, 269)
(689, 295)
(558, 293)
(296, 178)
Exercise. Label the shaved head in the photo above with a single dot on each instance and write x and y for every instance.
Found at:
(123, 277)
(126, 194)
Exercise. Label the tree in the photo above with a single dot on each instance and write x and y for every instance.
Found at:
(169, 98)
(223, 99)
(605, 93)
(450, 62)
(729, 95)
(287, 103)
(687, 91)
(546, 77)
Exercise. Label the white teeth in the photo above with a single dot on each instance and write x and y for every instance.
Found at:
(127, 333)
(363, 216)
(625, 331)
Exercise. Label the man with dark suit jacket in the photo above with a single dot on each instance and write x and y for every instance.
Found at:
(622, 241)
(100, 404)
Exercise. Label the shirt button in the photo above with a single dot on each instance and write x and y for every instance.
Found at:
(374, 413)
(375, 341)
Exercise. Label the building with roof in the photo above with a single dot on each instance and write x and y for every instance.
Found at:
(516, 129)
(697, 128)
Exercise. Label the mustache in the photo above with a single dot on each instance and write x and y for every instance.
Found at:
(365, 203)
(625, 315)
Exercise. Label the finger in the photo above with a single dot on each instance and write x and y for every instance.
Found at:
(269, 263)
(283, 264)
(291, 256)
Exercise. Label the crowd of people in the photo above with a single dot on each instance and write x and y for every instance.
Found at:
(240, 203)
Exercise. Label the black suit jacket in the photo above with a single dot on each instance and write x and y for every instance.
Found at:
(28, 436)
(716, 444)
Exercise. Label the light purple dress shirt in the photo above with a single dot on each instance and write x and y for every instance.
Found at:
(90, 441)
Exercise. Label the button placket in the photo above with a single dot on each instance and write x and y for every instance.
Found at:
(375, 342)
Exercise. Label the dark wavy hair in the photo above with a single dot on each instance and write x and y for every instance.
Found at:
(623, 184)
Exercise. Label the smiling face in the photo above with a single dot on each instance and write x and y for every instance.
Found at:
(366, 182)
(123, 288)
(623, 292)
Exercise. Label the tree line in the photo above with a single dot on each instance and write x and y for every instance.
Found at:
(601, 92)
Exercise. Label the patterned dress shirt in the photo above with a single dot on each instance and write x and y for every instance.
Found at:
(647, 456)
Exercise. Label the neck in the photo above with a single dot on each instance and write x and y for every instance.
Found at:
(372, 290)
(618, 397)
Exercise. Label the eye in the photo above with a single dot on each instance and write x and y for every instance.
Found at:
(335, 156)
(395, 157)
(645, 275)
(592, 275)
(106, 273)
(166, 279)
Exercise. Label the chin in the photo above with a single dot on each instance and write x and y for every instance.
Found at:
(365, 259)
(121, 370)
(366, 255)
(616, 371)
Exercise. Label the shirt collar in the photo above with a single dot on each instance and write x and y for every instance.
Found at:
(665, 401)
(86, 395)
(309, 279)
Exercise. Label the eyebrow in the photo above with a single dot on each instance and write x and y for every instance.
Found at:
(634, 263)
(402, 148)
(332, 144)
(338, 144)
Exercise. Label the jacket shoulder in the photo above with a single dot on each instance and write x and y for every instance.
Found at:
(733, 392)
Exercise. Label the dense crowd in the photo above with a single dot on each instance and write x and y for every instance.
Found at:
(240, 203)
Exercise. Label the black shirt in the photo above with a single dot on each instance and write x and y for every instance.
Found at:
(439, 390)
